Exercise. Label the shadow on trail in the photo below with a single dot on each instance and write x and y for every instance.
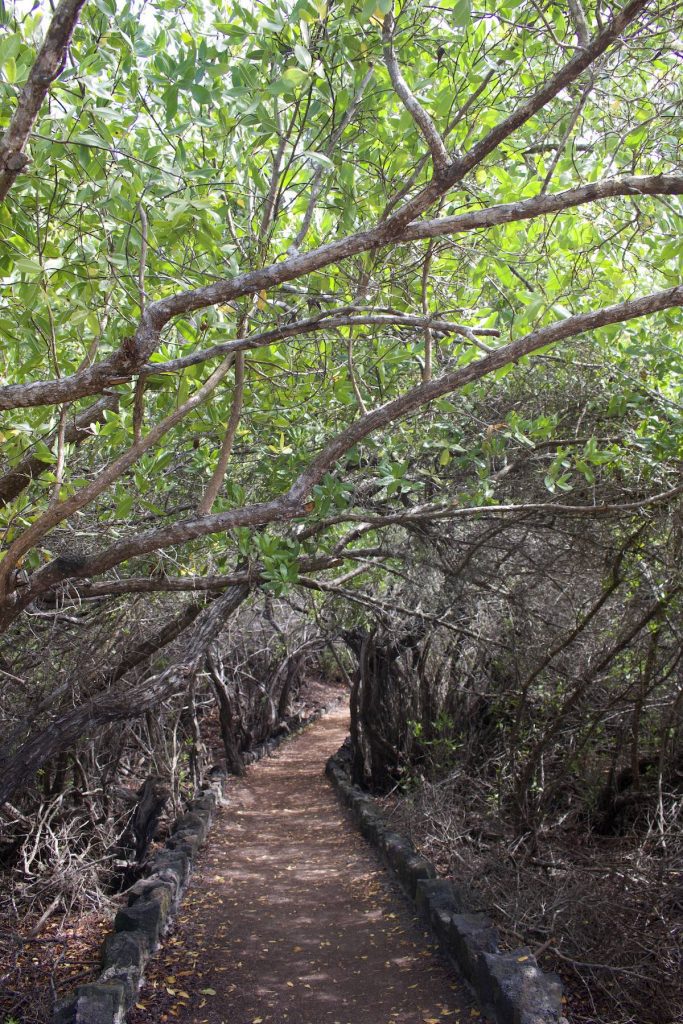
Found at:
(290, 918)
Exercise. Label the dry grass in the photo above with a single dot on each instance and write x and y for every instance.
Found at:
(609, 911)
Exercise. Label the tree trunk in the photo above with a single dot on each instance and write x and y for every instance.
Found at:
(227, 718)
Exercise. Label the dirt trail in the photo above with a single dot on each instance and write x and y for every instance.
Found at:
(290, 919)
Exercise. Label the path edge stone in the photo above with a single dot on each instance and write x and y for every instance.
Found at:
(153, 901)
(509, 985)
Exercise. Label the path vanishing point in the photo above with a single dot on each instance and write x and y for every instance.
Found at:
(290, 917)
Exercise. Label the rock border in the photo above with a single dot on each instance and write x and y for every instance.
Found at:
(153, 901)
(509, 985)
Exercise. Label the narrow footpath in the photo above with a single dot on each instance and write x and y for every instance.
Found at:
(291, 919)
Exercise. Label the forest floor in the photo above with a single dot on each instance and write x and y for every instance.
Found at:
(291, 919)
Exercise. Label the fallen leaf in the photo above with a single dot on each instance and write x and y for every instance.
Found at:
(207, 991)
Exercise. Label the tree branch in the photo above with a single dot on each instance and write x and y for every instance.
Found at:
(440, 157)
(293, 503)
(47, 66)
(580, 24)
(321, 322)
(216, 482)
(92, 380)
(318, 176)
(541, 205)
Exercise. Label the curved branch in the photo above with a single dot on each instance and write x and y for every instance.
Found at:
(195, 584)
(216, 481)
(539, 206)
(61, 510)
(94, 379)
(47, 66)
(440, 157)
(321, 322)
(293, 503)
(136, 350)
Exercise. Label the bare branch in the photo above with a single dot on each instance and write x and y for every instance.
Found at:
(567, 132)
(138, 408)
(142, 269)
(440, 156)
(352, 374)
(580, 24)
(61, 440)
(269, 206)
(47, 66)
(216, 482)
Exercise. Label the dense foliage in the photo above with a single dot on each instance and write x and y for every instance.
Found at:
(241, 247)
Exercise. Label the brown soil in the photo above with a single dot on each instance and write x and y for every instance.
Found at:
(290, 919)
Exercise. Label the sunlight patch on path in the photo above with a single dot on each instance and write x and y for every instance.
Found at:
(290, 918)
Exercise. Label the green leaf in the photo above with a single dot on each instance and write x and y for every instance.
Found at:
(303, 56)
(43, 453)
(461, 14)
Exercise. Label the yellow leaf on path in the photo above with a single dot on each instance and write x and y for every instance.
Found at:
(257, 1020)
(290, 984)
(208, 991)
